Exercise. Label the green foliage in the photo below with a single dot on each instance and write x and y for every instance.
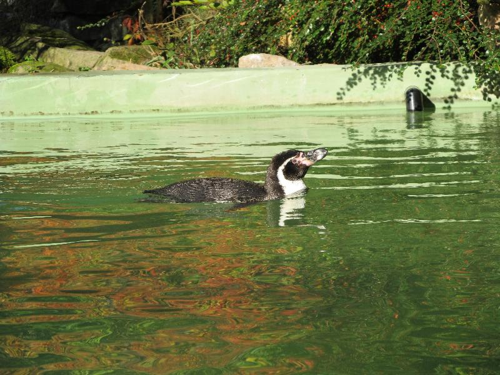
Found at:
(7, 59)
(175, 40)
(355, 31)
(101, 23)
(30, 58)
(352, 32)
(242, 28)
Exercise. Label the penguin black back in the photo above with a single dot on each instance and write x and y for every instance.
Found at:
(213, 189)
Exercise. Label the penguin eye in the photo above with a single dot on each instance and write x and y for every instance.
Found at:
(295, 161)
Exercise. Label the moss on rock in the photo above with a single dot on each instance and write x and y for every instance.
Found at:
(37, 67)
(132, 54)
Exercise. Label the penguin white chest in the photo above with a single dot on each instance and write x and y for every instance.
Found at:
(289, 186)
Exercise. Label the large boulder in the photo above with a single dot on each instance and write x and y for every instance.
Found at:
(70, 59)
(34, 39)
(116, 58)
(53, 46)
(264, 60)
(126, 58)
(135, 54)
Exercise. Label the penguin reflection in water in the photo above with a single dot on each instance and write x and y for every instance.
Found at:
(283, 179)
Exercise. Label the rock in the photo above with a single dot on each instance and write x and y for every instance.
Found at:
(36, 67)
(52, 46)
(134, 54)
(108, 63)
(126, 58)
(115, 58)
(489, 16)
(33, 39)
(264, 60)
(70, 59)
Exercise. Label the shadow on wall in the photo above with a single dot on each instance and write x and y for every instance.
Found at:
(458, 74)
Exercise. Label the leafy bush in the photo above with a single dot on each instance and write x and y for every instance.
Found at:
(244, 27)
(351, 31)
(7, 59)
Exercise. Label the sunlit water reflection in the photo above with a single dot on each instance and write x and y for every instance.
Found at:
(389, 263)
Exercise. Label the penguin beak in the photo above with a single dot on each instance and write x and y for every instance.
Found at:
(310, 157)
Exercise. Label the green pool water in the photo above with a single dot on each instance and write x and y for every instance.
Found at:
(389, 264)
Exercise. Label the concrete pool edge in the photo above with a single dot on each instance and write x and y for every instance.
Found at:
(176, 92)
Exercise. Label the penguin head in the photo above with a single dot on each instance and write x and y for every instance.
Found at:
(289, 167)
(296, 165)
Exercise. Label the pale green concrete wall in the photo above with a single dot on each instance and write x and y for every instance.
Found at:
(212, 90)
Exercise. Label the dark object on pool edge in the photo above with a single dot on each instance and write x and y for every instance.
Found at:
(284, 177)
(414, 99)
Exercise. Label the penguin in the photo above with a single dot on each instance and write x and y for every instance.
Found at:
(284, 178)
